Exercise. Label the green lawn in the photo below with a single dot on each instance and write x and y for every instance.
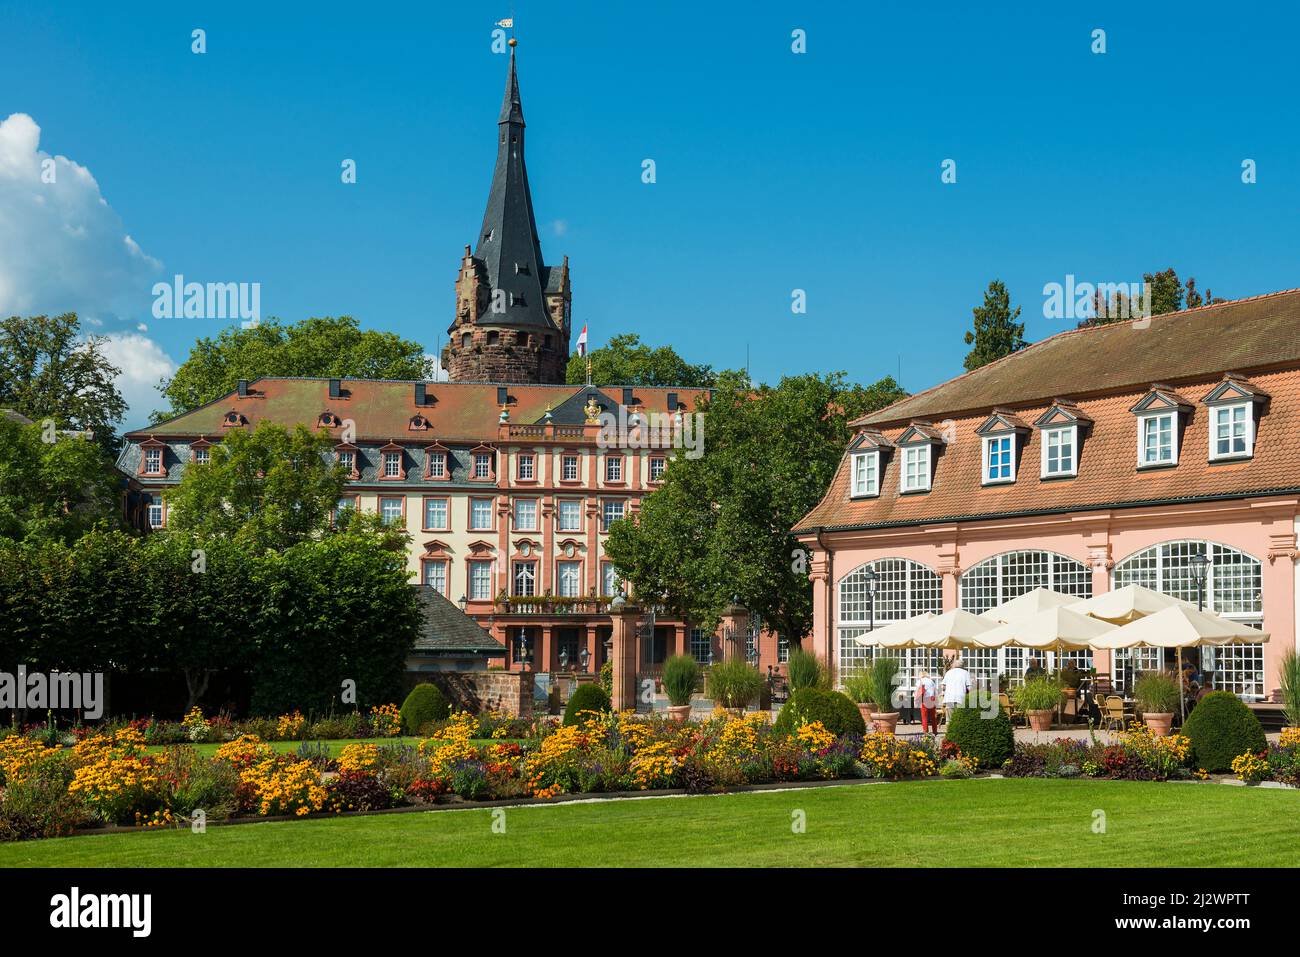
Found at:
(1014, 823)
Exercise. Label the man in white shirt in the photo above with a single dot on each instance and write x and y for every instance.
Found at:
(956, 685)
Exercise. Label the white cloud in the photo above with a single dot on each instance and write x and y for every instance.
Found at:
(143, 364)
(62, 247)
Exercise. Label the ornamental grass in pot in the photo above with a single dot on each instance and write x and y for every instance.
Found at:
(734, 685)
(1290, 681)
(681, 675)
(1038, 698)
(1156, 694)
(884, 672)
(859, 688)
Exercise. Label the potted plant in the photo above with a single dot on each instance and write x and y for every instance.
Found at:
(883, 674)
(858, 686)
(681, 674)
(1156, 694)
(1290, 679)
(734, 685)
(1070, 678)
(1037, 698)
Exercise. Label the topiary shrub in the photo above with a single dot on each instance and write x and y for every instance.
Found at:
(425, 703)
(1221, 728)
(986, 738)
(587, 697)
(837, 713)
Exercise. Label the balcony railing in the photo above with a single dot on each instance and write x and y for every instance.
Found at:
(542, 605)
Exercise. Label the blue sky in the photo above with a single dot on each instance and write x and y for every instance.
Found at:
(775, 171)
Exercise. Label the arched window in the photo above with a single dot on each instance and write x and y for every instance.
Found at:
(1002, 577)
(1233, 588)
(903, 589)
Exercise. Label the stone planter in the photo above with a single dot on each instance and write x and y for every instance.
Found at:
(1160, 724)
(885, 721)
(866, 709)
(1039, 720)
(679, 713)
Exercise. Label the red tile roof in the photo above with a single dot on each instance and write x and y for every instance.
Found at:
(383, 408)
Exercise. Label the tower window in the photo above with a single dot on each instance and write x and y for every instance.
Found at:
(465, 340)
(522, 339)
(493, 337)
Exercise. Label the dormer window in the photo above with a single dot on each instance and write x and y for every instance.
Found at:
(1234, 405)
(914, 476)
(202, 456)
(1158, 439)
(1231, 431)
(1061, 430)
(392, 465)
(1158, 426)
(437, 464)
(1060, 451)
(153, 460)
(999, 459)
(419, 423)
(866, 474)
(328, 420)
(482, 465)
(233, 420)
(349, 461)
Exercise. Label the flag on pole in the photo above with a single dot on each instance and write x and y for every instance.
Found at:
(508, 23)
(582, 342)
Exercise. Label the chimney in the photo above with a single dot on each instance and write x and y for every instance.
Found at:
(627, 396)
(336, 388)
(243, 388)
(672, 401)
(419, 393)
(503, 395)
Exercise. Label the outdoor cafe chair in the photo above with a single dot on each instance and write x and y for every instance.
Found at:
(1113, 712)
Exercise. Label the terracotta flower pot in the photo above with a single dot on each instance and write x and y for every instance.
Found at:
(866, 709)
(679, 712)
(1039, 720)
(1160, 724)
(885, 721)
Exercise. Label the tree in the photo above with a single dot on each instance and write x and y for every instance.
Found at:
(719, 527)
(48, 371)
(271, 488)
(199, 606)
(626, 361)
(333, 610)
(53, 486)
(1168, 294)
(996, 333)
(329, 347)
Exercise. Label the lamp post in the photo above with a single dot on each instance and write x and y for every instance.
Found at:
(584, 657)
(871, 577)
(1200, 566)
(523, 649)
(564, 659)
(464, 602)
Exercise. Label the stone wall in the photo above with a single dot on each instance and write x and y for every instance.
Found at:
(475, 691)
(505, 360)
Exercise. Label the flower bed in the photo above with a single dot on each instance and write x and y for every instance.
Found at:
(1136, 755)
(1278, 762)
(112, 778)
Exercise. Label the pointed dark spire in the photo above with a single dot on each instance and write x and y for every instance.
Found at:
(508, 245)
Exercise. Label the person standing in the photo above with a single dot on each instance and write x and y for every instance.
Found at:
(926, 700)
(956, 686)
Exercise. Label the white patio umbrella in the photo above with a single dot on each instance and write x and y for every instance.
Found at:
(896, 634)
(1180, 626)
(952, 629)
(1057, 629)
(1027, 605)
(1128, 603)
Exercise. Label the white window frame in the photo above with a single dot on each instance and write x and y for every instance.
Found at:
(1143, 461)
(922, 452)
(568, 579)
(608, 580)
(438, 459)
(1248, 414)
(525, 467)
(477, 502)
(564, 468)
(865, 477)
(606, 506)
(480, 579)
(392, 465)
(523, 578)
(445, 526)
(1045, 437)
(518, 520)
(613, 468)
(656, 466)
(397, 518)
(436, 570)
(202, 456)
(987, 446)
(348, 459)
(153, 459)
(560, 507)
(482, 465)
(157, 512)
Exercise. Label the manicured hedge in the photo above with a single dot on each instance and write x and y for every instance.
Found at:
(425, 703)
(989, 739)
(588, 697)
(837, 713)
(1221, 728)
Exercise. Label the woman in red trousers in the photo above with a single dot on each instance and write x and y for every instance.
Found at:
(926, 699)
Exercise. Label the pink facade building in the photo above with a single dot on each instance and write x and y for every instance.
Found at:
(1096, 458)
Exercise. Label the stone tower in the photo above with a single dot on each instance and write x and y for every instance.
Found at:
(512, 312)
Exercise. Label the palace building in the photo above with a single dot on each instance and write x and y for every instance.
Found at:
(1097, 458)
(500, 475)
